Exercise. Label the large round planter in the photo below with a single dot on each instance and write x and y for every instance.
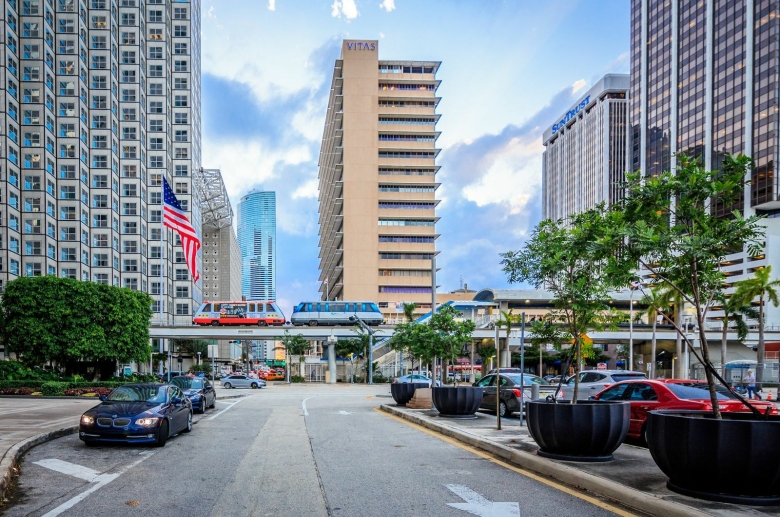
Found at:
(403, 392)
(735, 459)
(457, 402)
(585, 431)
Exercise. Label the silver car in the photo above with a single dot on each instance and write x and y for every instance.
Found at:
(593, 381)
(416, 377)
(242, 381)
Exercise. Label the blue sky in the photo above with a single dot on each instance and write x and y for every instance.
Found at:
(509, 70)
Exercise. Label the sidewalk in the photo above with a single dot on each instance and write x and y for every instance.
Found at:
(632, 478)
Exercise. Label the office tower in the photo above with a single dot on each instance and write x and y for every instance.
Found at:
(704, 82)
(377, 179)
(101, 99)
(585, 155)
(257, 240)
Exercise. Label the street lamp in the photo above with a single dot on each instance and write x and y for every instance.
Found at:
(356, 319)
(332, 340)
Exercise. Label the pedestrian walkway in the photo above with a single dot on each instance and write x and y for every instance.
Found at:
(629, 479)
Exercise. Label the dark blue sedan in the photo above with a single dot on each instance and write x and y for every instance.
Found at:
(199, 390)
(138, 413)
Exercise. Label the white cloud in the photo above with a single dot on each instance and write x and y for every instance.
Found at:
(578, 85)
(387, 5)
(246, 164)
(310, 189)
(272, 5)
(346, 8)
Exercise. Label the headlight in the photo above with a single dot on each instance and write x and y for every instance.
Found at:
(88, 420)
(147, 422)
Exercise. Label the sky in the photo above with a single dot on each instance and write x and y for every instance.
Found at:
(509, 70)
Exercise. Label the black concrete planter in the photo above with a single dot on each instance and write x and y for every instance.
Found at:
(404, 391)
(734, 460)
(457, 402)
(585, 431)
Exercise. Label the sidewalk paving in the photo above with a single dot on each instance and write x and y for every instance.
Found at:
(632, 478)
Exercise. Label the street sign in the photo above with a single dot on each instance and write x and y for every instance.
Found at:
(127, 371)
(601, 366)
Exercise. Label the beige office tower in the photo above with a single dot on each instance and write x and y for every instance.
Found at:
(377, 180)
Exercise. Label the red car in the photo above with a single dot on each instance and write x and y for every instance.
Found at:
(648, 395)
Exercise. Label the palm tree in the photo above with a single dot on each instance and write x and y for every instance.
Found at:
(735, 309)
(507, 318)
(655, 301)
(409, 311)
(762, 287)
(296, 345)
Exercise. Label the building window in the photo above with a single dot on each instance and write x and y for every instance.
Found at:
(182, 291)
(182, 309)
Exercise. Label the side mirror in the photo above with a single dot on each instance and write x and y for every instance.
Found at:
(103, 398)
(474, 384)
(592, 398)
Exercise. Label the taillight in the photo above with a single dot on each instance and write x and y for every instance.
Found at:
(607, 385)
(517, 393)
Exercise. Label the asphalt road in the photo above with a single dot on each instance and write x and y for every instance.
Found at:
(287, 451)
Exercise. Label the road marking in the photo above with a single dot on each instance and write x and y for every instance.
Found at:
(303, 405)
(99, 482)
(476, 504)
(71, 469)
(344, 413)
(227, 408)
(507, 465)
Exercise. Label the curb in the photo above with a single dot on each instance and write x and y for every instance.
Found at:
(231, 397)
(52, 397)
(15, 453)
(571, 476)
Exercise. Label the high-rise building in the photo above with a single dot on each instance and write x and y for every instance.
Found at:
(377, 179)
(585, 155)
(100, 101)
(704, 82)
(257, 240)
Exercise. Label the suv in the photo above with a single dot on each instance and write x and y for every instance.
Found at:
(593, 381)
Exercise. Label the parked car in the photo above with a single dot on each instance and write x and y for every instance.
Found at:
(593, 381)
(416, 377)
(137, 413)
(167, 376)
(507, 369)
(273, 376)
(510, 391)
(241, 381)
(649, 395)
(200, 391)
(555, 379)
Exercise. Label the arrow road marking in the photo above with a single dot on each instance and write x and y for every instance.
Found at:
(71, 469)
(344, 413)
(476, 504)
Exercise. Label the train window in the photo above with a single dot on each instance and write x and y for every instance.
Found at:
(309, 307)
(374, 308)
(349, 307)
(267, 307)
(337, 307)
(298, 308)
(206, 308)
(255, 307)
(362, 307)
(217, 306)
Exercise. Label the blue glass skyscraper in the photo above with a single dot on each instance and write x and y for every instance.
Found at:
(257, 240)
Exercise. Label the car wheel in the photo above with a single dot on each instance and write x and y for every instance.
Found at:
(202, 405)
(254, 385)
(502, 410)
(645, 435)
(313, 323)
(162, 434)
(261, 323)
(215, 324)
(189, 423)
(213, 402)
(227, 386)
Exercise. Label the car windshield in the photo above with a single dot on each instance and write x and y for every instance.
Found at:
(154, 394)
(617, 377)
(188, 383)
(699, 391)
(527, 379)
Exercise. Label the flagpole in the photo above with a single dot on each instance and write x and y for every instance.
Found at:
(162, 229)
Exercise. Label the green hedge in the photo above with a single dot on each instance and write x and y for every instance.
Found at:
(56, 388)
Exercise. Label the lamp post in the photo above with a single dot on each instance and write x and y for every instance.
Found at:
(631, 332)
(198, 358)
(213, 350)
(498, 382)
(370, 331)
(332, 340)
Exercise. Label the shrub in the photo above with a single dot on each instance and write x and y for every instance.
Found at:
(54, 389)
(297, 378)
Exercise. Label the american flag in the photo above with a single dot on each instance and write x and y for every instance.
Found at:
(175, 219)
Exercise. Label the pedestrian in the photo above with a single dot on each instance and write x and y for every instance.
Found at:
(750, 381)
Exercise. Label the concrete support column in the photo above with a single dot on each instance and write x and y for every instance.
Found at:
(332, 363)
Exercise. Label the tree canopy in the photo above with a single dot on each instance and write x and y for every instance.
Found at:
(61, 320)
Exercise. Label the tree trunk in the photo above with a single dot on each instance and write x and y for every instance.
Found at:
(761, 352)
(653, 349)
(578, 360)
(705, 355)
(678, 373)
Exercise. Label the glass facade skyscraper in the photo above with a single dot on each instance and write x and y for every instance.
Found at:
(257, 240)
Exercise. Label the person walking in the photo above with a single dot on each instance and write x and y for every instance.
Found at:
(750, 380)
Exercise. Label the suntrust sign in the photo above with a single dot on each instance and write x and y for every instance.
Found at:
(571, 114)
(361, 45)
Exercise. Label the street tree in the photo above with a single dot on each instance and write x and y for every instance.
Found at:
(763, 287)
(577, 266)
(450, 335)
(668, 227)
(737, 310)
(655, 304)
(296, 345)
